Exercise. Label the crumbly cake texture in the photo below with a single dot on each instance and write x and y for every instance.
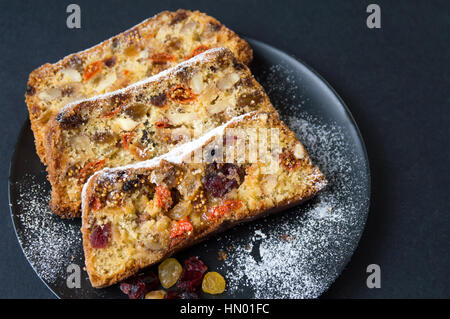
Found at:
(145, 120)
(142, 51)
(136, 215)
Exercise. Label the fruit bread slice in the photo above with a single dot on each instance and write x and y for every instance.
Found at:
(145, 120)
(144, 50)
(136, 215)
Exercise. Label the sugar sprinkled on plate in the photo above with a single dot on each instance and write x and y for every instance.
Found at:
(48, 242)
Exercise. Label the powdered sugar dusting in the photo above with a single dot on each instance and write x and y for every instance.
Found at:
(48, 242)
(298, 254)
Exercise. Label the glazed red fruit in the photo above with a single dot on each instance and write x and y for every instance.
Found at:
(139, 285)
(190, 280)
(219, 185)
(192, 275)
(134, 290)
(101, 236)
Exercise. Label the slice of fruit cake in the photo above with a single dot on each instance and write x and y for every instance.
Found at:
(145, 120)
(136, 215)
(142, 51)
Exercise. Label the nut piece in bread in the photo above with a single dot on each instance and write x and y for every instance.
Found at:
(136, 215)
(142, 51)
(145, 120)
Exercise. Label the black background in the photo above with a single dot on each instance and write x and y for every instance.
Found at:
(395, 81)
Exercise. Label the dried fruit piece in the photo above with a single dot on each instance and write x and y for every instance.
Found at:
(103, 137)
(126, 139)
(156, 294)
(95, 203)
(181, 94)
(159, 100)
(194, 263)
(162, 58)
(219, 211)
(198, 50)
(136, 287)
(169, 271)
(289, 161)
(111, 61)
(179, 16)
(162, 124)
(101, 236)
(180, 294)
(134, 290)
(250, 99)
(89, 169)
(30, 90)
(213, 283)
(163, 197)
(181, 228)
(136, 111)
(91, 70)
(71, 121)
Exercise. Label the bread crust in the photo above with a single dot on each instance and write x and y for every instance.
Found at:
(40, 79)
(316, 182)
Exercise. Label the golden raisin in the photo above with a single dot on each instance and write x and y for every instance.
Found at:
(213, 283)
(156, 294)
(169, 271)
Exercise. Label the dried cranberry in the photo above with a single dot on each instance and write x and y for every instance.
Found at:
(101, 236)
(179, 16)
(173, 294)
(190, 280)
(150, 279)
(139, 285)
(195, 264)
(191, 277)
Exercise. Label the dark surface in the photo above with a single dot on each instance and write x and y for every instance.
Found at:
(338, 239)
(394, 80)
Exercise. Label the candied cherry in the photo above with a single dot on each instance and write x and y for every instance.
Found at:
(169, 271)
(213, 283)
(100, 236)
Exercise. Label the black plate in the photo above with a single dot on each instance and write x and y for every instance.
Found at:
(295, 254)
